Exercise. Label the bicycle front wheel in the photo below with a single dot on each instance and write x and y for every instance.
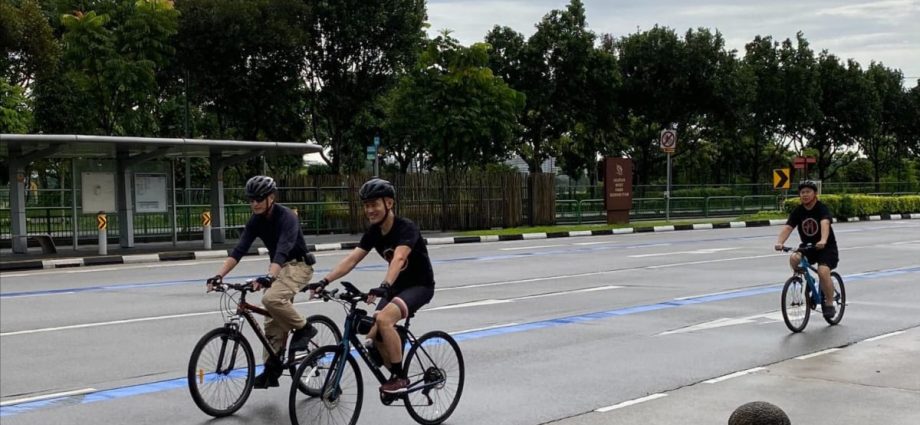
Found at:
(435, 370)
(795, 304)
(840, 299)
(221, 371)
(340, 393)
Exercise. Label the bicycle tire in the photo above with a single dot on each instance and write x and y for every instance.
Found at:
(326, 408)
(220, 384)
(434, 360)
(840, 299)
(795, 304)
(327, 334)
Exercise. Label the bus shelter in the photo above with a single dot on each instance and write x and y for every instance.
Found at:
(115, 191)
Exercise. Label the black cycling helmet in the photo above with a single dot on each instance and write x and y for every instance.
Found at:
(376, 188)
(809, 184)
(259, 187)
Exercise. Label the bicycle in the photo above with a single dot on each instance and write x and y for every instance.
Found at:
(222, 367)
(434, 366)
(801, 294)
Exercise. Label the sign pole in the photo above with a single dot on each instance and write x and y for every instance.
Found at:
(377, 156)
(667, 193)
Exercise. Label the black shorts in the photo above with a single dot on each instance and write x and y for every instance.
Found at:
(827, 256)
(409, 299)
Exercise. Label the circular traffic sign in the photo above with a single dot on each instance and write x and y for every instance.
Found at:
(668, 139)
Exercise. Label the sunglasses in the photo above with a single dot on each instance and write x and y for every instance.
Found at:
(257, 200)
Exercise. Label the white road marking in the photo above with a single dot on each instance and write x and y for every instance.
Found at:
(631, 402)
(697, 251)
(819, 353)
(528, 297)
(733, 375)
(484, 328)
(47, 396)
(723, 322)
(876, 338)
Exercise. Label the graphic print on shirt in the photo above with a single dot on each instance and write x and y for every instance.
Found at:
(388, 255)
(810, 227)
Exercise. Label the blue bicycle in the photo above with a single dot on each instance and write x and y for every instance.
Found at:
(802, 294)
(434, 366)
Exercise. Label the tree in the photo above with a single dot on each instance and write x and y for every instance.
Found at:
(356, 50)
(452, 108)
(240, 64)
(108, 70)
(15, 115)
(30, 49)
(552, 70)
(886, 98)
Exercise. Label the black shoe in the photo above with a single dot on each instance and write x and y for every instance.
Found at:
(829, 311)
(269, 376)
(300, 339)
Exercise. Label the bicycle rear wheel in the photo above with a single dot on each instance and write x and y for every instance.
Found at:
(795, 304)
(435, 370)
(840, 299)
(339, 402)
(326, 334)
(220, 372)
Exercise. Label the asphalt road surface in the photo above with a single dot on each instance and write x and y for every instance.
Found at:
(583, 330)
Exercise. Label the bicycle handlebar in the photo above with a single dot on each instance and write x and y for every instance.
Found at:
(806, 247)
(351, 295)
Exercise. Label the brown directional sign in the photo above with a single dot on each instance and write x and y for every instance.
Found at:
(781, 178)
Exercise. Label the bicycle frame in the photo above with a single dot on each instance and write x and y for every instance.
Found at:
(245, 310)
(817, 297)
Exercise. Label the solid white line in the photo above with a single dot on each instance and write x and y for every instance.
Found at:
(689, 263)
(469, 304)
(733, 375)
(529, 236)
(528, 297)
(47, 396)
(122, 267)
(819, 353)
(535, 279)
(631, 402)
(876, 338)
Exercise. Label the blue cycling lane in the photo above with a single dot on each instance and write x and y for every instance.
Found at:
(181, 383)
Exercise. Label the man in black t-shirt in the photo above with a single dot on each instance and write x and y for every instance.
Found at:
(813, 219)
(409, 281)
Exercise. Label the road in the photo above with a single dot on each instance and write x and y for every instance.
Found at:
(551, 329)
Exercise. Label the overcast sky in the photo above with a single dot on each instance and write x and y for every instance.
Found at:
(886, 31)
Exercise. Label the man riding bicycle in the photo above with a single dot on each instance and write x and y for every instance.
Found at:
(289, 271)
(409, 280)
(813, 220)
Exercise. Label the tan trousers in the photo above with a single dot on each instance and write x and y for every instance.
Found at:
(279, 301)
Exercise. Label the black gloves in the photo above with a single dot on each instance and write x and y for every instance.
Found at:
(381, 291)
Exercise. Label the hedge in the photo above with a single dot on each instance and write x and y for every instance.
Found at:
(846, 206)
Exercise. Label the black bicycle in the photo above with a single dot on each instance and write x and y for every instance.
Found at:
(222, 367)
(434, 366)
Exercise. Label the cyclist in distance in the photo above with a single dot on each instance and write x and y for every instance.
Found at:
(813, 220)
(290, 269)
(409, 280)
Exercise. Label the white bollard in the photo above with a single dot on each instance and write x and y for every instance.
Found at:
(102, 222)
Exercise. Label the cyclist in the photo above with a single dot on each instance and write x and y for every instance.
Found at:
(409, 280)
(813, 220)
(289, 271)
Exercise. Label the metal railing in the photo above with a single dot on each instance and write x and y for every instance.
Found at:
(592, 210)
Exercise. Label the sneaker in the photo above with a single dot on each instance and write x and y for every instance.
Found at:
(300, 339)
(829, 311)
(269, 376)
(395, 385)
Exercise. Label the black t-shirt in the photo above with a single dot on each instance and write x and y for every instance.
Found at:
(280, 232)
(808, 223)
(418, 271)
